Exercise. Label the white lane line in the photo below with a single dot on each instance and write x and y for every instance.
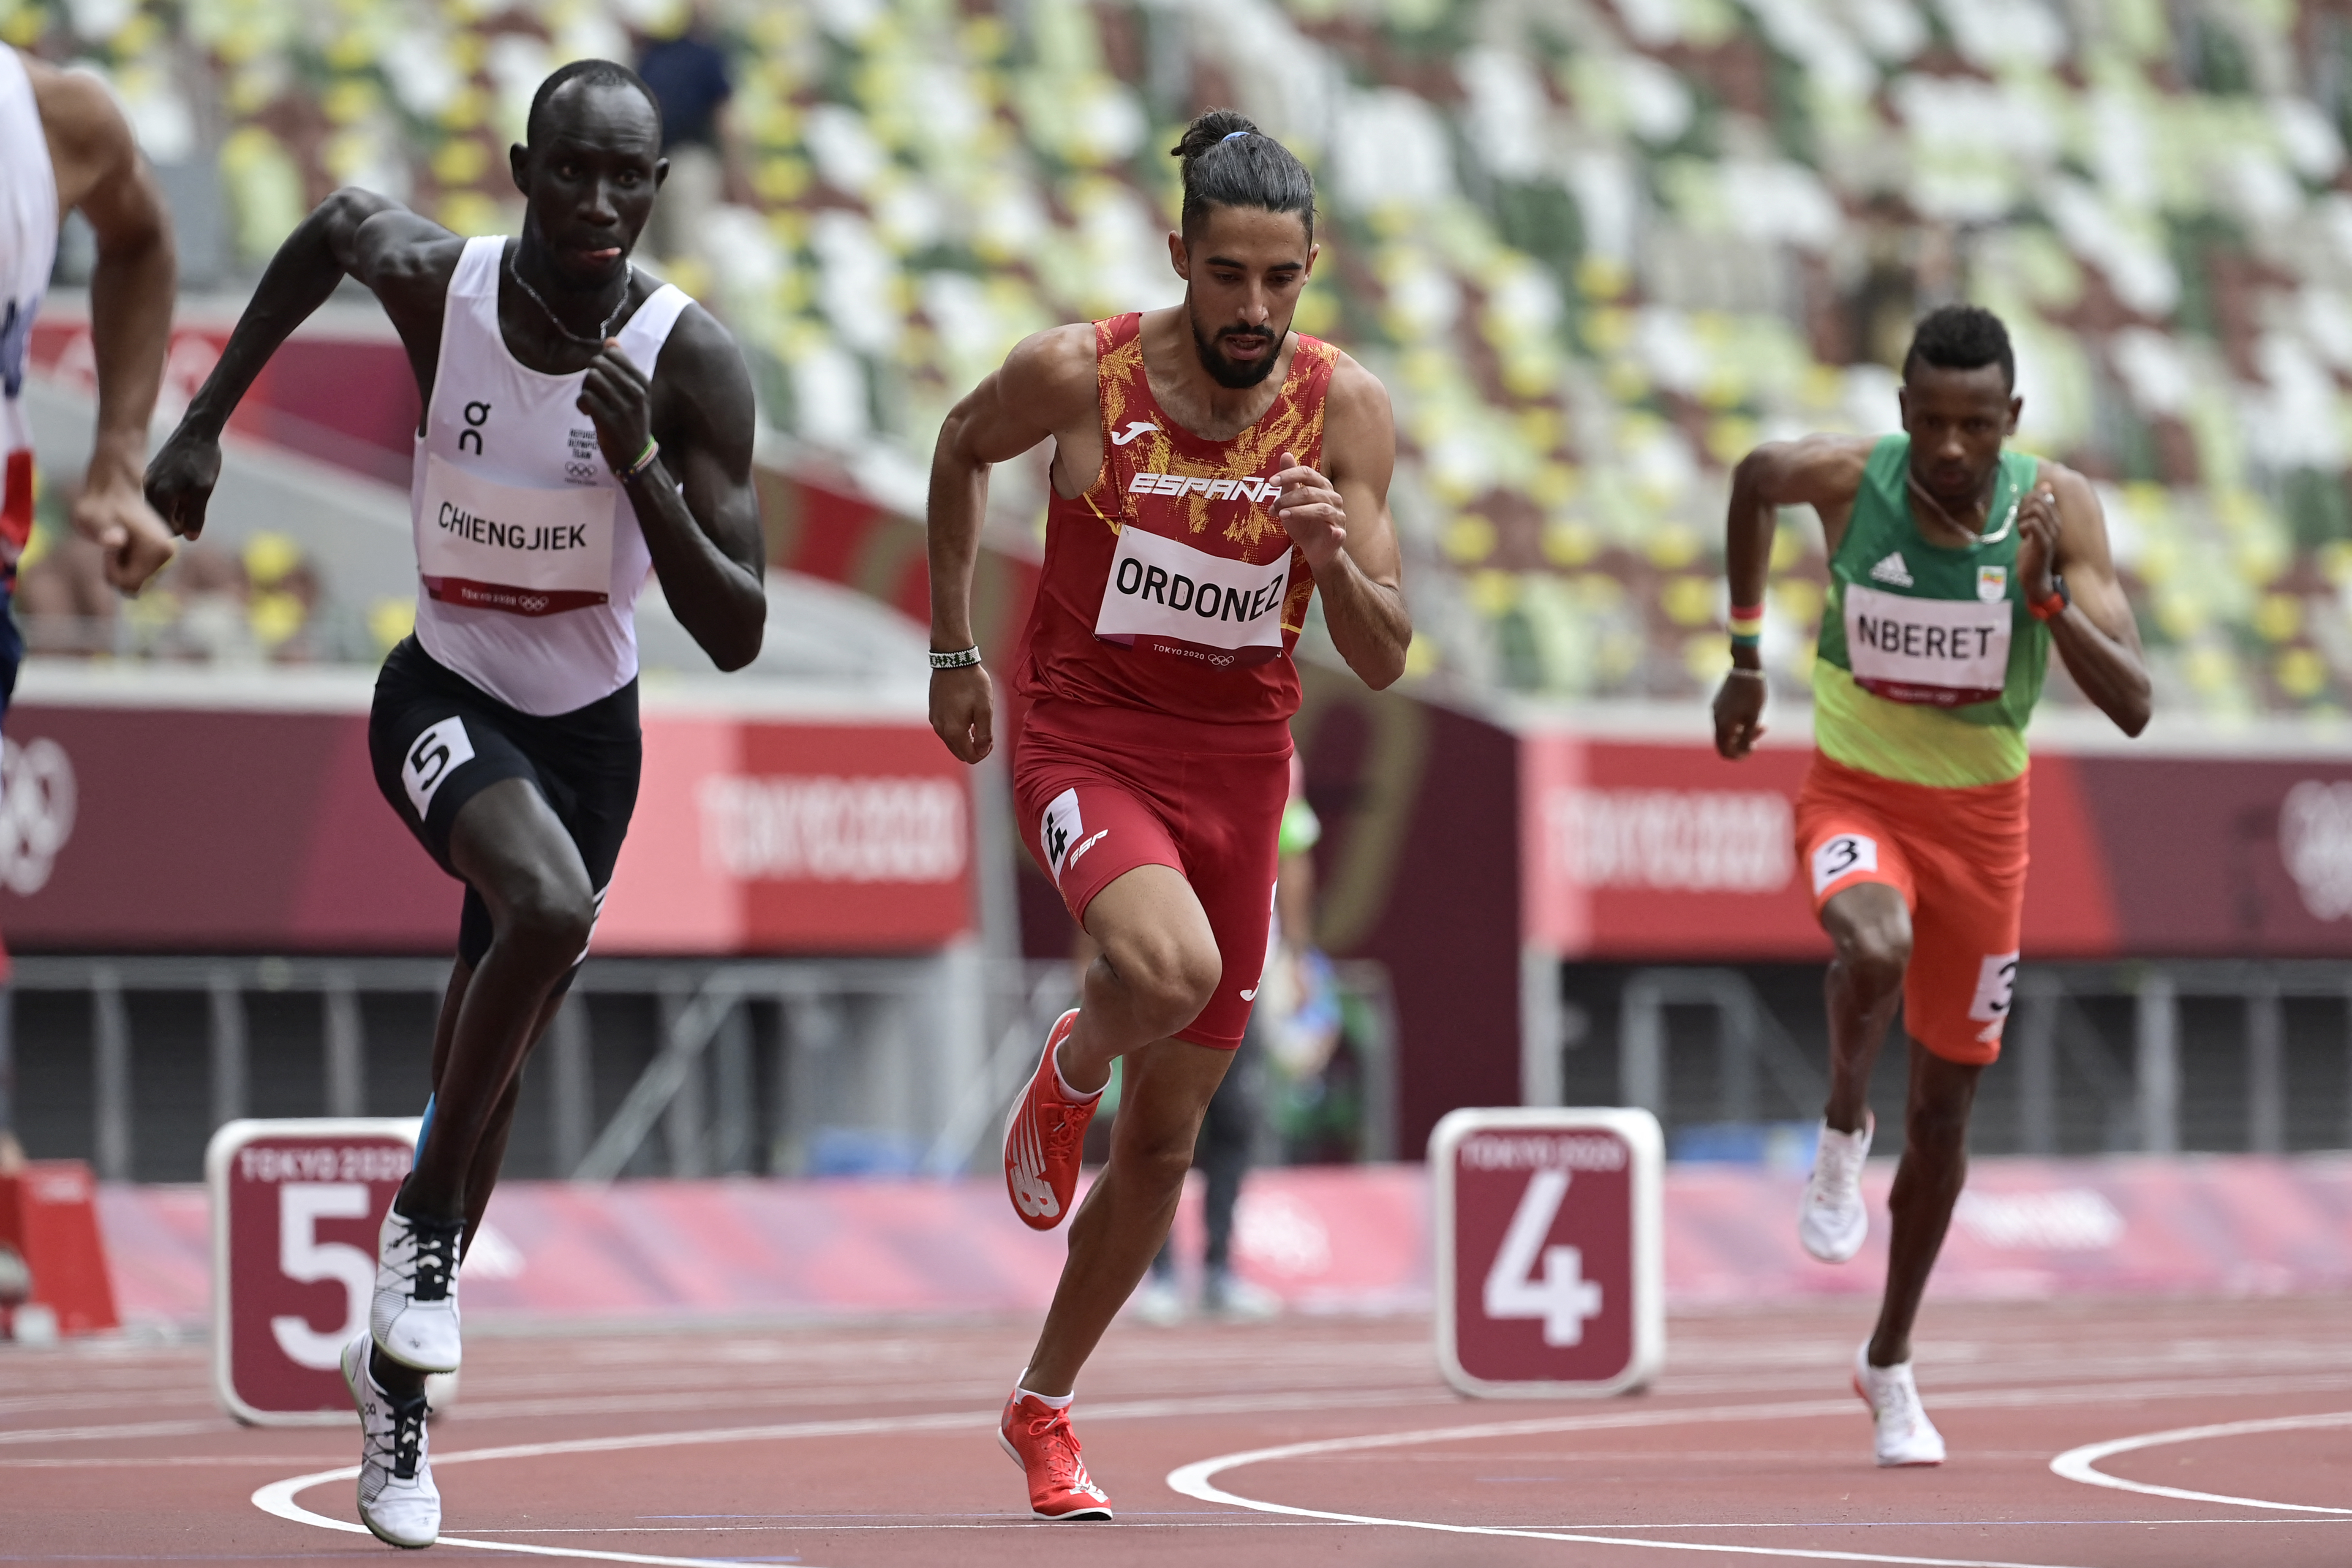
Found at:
(1198, 1480)
(106, 1434)
(278, 1496)
(2082, 1464)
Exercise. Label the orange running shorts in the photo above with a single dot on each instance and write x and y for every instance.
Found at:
(1958, 857)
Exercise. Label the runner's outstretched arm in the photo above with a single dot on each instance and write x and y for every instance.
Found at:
(1340, 523)
(695, 503)
(1823, 472)
(101, 174)
(1045, 387)
(407, 262)
(2064, 533)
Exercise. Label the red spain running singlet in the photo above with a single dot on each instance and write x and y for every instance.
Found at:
(1169, 585)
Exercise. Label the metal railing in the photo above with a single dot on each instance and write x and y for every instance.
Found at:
(2139, 1108)
(927, 1051)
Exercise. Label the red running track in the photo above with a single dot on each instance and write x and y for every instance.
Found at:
(868, 1446)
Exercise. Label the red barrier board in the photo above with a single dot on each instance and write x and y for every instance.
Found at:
(1550, 1275)
(48, 1212)
(296, 1206)
(753, 833)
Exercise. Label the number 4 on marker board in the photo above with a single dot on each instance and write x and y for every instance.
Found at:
(1563, 1297)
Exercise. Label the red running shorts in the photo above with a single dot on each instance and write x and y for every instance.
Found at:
(1101, 790)
(1958, 857)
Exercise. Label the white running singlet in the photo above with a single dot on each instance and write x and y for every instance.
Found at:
(29, 249)
(529, 557)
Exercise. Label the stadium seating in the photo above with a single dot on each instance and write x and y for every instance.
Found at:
(1596, 248)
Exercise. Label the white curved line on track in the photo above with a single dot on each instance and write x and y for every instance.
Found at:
(277, 1497)
(2082, 1464)
(1199, 1480)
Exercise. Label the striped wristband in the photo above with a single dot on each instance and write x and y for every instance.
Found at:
(1747, 625)
(645, 460)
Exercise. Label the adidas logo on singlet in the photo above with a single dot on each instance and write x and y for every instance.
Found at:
(1892, 570)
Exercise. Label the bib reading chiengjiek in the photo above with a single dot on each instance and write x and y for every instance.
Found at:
(523, 551)
(1164, 593)
(1940, 652)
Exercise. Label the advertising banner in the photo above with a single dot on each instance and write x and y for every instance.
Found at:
(249, 828)
(1650, 850)
(1550, 1276)
(296, 1206)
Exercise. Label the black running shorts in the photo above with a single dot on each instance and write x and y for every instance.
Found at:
(438, 741)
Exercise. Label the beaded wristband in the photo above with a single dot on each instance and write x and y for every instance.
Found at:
(645, 460)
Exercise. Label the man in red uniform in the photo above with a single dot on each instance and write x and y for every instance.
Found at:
(1212, 471)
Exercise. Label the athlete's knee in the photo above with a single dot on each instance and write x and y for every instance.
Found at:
(1155, 1153)
(1875, 952)
(1169, 977)
(545, 922)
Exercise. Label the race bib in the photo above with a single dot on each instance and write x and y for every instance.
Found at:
(1939, 652)
(491, 546)
(1164, 593)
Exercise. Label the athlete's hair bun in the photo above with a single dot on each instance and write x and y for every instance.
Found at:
(1210, 131)
(1230, 163)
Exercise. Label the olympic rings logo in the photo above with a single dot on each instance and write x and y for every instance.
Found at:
(37, 812)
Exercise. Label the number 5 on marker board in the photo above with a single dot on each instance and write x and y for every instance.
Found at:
(1551, 1264)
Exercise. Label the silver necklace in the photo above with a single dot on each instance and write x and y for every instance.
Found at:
(1977, 540)
(602, 332)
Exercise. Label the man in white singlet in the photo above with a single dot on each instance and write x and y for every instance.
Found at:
(585, 427)
(65, 147)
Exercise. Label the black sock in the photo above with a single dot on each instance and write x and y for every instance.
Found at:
(402, 1382)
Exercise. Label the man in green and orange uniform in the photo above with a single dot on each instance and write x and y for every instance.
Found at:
(1954, 568)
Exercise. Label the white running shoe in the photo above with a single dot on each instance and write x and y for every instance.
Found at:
(398, 1501)
(1906, 1435)
(413, 1318)
(1224, 1294)
(1832, 1221)
(1158, 1301)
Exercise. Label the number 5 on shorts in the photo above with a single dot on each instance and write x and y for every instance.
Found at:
(431, 757)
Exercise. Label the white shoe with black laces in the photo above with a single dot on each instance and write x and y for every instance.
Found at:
(1833, 1220)
(398, 1501)
(1906, 1435)
(413, 1318)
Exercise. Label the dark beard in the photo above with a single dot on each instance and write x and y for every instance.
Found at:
(1230, 373)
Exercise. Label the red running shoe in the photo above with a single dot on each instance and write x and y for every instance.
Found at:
(1039, 1438)
(1043, 1138)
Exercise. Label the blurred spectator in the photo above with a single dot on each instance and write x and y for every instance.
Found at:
(62, 600)
(1235, 1124)
(689, 76)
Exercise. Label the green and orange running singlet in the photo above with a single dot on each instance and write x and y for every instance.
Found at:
(1929, 663)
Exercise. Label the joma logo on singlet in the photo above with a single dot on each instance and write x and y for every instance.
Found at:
(1202, 485)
